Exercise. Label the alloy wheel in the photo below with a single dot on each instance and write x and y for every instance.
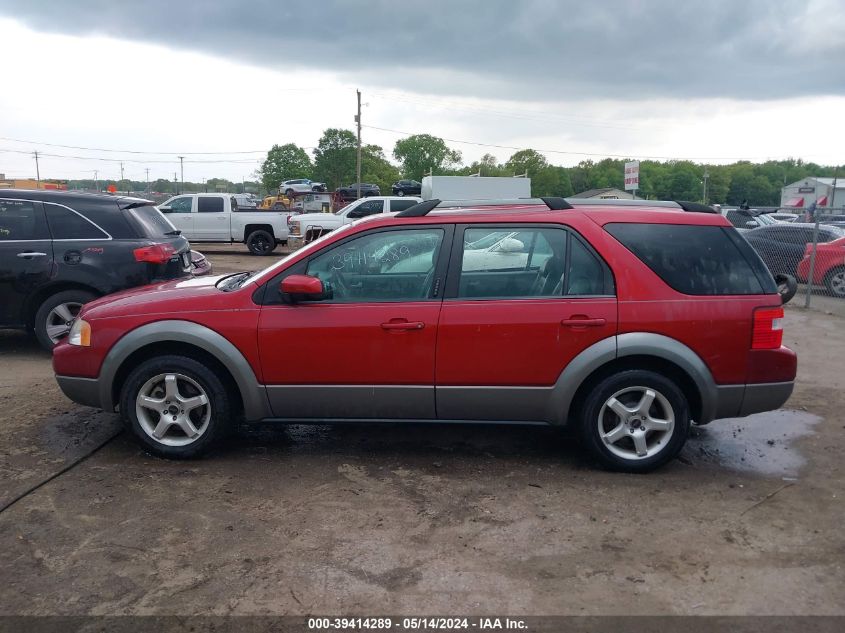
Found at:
(60, 319)
(173, 409)
(636, 423)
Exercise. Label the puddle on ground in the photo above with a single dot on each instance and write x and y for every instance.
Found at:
(762, 443)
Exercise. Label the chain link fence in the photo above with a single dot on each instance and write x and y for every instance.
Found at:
(807, 244)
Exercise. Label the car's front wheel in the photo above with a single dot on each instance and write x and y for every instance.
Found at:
(634, 421)
(400, 193)
(288, 192)
(56, 314)
(834, 281)
(176, 407)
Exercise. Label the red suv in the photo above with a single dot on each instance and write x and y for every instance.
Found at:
(628, 323)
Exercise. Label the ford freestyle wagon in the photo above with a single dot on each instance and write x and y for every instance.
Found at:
(628, 324)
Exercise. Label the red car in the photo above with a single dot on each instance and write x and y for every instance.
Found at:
(829, 269)
(628, 323)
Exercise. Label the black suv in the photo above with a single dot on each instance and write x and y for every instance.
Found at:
(59, 250)
(406, 188)
(351, 192)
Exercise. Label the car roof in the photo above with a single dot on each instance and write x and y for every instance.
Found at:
(42, 195)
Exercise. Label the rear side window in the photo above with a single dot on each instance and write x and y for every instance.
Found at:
(151, 222)
(209, 205)
(69, 225)
(21, 220)
(697, 260)
(401, 205)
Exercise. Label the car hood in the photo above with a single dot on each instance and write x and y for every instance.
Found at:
(181, 296)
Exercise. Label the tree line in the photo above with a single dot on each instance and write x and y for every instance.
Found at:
(334, 163)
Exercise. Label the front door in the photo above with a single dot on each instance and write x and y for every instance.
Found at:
(521, 303)
(367, 351)
(26, 257)
(179, 212)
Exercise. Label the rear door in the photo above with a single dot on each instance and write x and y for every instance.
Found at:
(26, 256)
(368, 350)
(521, 302)
(211, 220)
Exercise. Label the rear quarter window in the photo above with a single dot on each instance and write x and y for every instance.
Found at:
(151, 222)
(697, 260)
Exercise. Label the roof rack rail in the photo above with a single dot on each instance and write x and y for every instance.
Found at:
(695, 207)
(423, 208)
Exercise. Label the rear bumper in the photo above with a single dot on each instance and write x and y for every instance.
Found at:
(81, 390)
(736, 401)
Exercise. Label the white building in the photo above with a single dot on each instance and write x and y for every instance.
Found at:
(819, 190)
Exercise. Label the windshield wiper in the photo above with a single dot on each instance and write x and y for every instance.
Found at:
(234, 281)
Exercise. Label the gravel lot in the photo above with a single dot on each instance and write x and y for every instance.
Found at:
(394, 519)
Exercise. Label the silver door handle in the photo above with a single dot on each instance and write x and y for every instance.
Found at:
(27, 255)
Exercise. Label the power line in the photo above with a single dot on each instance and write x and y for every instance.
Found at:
(129, 151)
(129, 160)
(570, 153)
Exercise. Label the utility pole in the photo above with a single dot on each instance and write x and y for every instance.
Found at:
(358, 163)
(148, 178)
(176, 184)
(706, 176)
(96, 181)
(182, 171)
(38, 171)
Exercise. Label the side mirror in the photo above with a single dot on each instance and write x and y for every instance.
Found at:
(303, 287)
(165, 208)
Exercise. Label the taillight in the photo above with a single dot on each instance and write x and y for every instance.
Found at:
(768, 328)
(154, 254)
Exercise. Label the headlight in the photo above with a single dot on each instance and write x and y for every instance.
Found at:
(80, 333)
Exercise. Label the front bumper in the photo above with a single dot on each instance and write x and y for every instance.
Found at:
(81, 390)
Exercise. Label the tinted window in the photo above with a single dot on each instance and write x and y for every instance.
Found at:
(69, 225)
(695, 260)
(401, 205)
(587, 274)
(370, 207)
(508, 263)
(181, 205)
(153, 224)
(206, 204)
(21, 220)
(387, 266)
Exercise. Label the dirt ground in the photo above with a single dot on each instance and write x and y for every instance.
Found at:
(392, 519)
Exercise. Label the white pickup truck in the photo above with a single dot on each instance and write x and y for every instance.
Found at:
(215, 217)
(309, 226)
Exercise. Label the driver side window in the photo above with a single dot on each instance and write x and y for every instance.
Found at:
(387, 266)
(181, 205)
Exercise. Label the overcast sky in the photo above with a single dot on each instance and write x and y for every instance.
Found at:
(712, 80)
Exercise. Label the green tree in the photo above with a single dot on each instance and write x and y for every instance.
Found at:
(544, 177)
(376, 169)
(422, 152)
(335, 158)
(284, 162)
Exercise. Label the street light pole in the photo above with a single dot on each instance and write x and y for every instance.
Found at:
(37, 172)
(358, 162)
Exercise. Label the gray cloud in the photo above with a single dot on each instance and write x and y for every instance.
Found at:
(543, 50)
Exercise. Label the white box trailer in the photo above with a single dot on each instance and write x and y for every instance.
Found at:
(474, 188)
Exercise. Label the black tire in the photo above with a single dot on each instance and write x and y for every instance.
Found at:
(834, 280)
(46, 318)
(288, 192)
(219, 418)
(665, 444)
(787, 287)
(260, 242)
(400, 193)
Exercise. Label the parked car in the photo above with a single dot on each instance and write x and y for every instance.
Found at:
(200, 264)
(598, 326)
(351, 192)
(246, 201)
(784, 217)
(829, 267)
(216, 217)
(406, 188)
(59, 250)
(307, 227)
(300, 185)
(782, 245)
(747, 219)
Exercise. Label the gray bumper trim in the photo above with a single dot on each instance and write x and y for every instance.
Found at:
(765, 397)
(82, 390)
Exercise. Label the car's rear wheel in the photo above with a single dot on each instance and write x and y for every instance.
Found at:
(400, 193)
(176, 407)
(260, 242)
(834, 281)
(288, 192)
(56, 314)
(634, 421)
